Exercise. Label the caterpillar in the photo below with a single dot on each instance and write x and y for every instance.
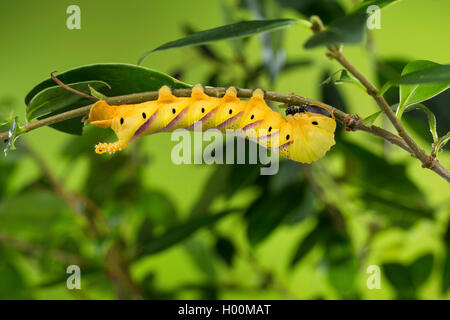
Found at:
(302, 136)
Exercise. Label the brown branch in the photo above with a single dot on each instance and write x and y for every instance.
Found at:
(289, 99)
(428, 161)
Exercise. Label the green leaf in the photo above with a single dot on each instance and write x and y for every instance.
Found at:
(95, 93)
(216, 184)
(5, 119)
(430, 115)
(341, 77)
(224, 247)
(307, 243)
(270, 210)
(348, 29)
(369, 120)
(342, 265)
(407, 279)
(399, 276)
(423, 71)
(429, 79)
(231, 31)
(421, 269)
(13, 283)
(389, 69)
(181, 232)
(201, 255)
(273, 53)
(330, 95)
(123, 79)
(326, 10)
(157, 210)
(56, 98)
(392, 195)
(440, 143)
(362, 6)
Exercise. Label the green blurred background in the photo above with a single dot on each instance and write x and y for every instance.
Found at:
(143, 190)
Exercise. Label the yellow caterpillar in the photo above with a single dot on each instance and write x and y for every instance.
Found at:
(302, 136)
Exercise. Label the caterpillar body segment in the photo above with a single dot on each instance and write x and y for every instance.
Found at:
(302, 136)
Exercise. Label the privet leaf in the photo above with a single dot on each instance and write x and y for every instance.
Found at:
(399, 276)
(408, 278)
(430, 79)
(341, 77)
(309, 242)
(369, 120)
(440, 143)
(326, 10)
(348, 29)
(342, 264)
(393, 195)
(270, 210)
(55, 98)
(95, 93)
(273, 52)
(224, 247)
(122, 78)
(231, 31)
(181, 232)
(430, 115)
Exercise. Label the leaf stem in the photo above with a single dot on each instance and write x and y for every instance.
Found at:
(59, 82)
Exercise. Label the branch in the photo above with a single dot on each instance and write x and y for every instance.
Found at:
(348, 120)
(428, 161)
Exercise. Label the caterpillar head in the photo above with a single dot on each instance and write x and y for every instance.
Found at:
(308, 136)
(101, 114)
(124, 123)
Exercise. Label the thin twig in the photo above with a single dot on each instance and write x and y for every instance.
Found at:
(289, 99)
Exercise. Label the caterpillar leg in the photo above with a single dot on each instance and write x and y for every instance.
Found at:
(110, 147)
